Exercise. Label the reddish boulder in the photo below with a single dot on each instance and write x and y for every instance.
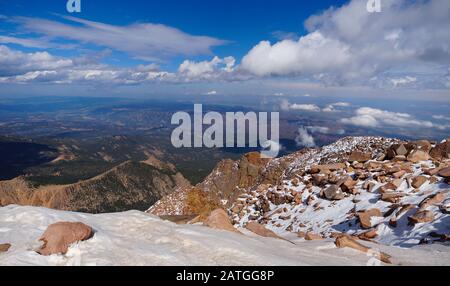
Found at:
(358, 156)
(313, 236)
(59, 236)
(421, 217)
(219, 219)
(365, 218)
(5, 247)
(441, 151)
(418, 156)
(346, 241)
(260, 230)
(417, 182)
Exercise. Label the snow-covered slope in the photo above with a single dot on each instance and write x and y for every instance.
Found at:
(136, 238)
(298, 204)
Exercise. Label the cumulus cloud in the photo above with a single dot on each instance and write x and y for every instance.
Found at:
(348, 44)
(20, 67)
(286, 106)
(147, 41)
(312, 53)
(332, 107)
(304, 139)
(15, 62)
(371, 117)
(403, 81)
(207, 69)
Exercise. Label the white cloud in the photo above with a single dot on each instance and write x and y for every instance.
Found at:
(441, 117)
(371, 117)
(286, 106)
(145, 41)
(348, 45)
(211, 92)
(332, 107)
(15, 62)
(207, 69)
(310, 54)
(304, 139)
(403, 81)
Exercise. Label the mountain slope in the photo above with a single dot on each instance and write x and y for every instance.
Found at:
(131, 185)
(372, 188)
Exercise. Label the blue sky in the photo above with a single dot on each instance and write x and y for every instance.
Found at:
(233, 47)
(242, 23)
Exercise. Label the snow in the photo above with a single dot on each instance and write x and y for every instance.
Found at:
(137, 238)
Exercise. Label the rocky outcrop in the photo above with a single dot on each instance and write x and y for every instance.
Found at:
(59, 236)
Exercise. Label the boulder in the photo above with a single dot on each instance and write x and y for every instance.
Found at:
(4, 247)
(418, 156)
(349, 185)
(392, 197)
(441, 151)
(445, 207)
(333, 193)
(368, 235)
(417, 182)
(444, 173)
(432, 200)
(261, 230)
(313, 236)
(423, 145)
(365, 217)
(358, 156)
(59, 236)
(219, 219)
(400, 150)
(346, 241)
(421, 217)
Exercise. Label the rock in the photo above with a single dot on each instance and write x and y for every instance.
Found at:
(313, 236)
(444, 173)
(421, 217)
(4, 247)
(432, 200)
(371, 234)
(365, 218)
(392, 197)
(445, 207)
(59, 236)
(349, 186)
(441, 151)
(358, 156)
(301, 234)
(333, 193)
(260, 230)
(219, 219)
(423, 145)
(346, 241)
(400, 150)
(417, 182)
(389, 187)
(418, 156)
(399, 174)
(399, 158)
